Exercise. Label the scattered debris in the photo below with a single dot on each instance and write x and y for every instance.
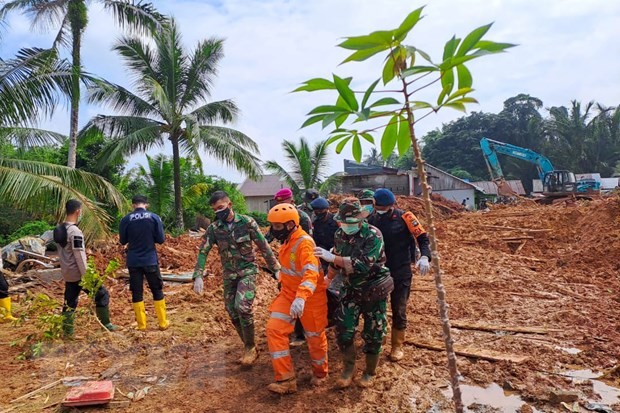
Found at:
(90, 393)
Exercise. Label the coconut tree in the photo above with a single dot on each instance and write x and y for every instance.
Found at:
(306, 165)
(70, 17)
(169, 104)
(30, 86)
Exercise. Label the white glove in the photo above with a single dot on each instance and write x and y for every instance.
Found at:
(324, 254)
(297, 308)
(423, 265)
(277, 275)
(198, 285)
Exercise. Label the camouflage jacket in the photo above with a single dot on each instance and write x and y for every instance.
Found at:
(235, 247)
(364, 256)
(308, 210)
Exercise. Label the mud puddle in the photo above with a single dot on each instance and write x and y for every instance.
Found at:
(491, 396)
(609, 395)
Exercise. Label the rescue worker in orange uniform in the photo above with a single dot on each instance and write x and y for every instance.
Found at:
(302, 296)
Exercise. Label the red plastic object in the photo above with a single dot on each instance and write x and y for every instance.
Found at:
(90, 393)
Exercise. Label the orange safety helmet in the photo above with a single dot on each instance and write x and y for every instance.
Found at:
(283, 213)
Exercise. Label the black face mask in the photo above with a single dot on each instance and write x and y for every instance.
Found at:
(223, 214)
(281, 234)
(320, 215)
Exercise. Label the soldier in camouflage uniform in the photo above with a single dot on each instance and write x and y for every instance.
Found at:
(367, 200)
(309, 196)
(233, 234)
(358, 254)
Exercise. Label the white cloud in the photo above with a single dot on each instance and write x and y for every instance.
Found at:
(567, 50)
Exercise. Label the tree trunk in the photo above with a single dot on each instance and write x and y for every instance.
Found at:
(435, 262)
(176, 165)
(78, 20)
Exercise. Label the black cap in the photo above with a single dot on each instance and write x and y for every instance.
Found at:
(139, 199)
(311, 195)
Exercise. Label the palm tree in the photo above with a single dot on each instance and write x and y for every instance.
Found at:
(172, 87)
(159, 179)
(29, 86)
(71, 18)
(306, 165)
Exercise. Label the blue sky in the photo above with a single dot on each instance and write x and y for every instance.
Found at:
(568, 49)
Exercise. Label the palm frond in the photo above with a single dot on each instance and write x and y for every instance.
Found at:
(279, 170)
(139, 57)
(136, 16)
(26, 138)
(172, 63)
(202, 71)
(231, 147)
(38, 186)
(224, 111)
(119, 99)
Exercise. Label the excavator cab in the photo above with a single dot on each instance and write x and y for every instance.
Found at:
(559, 182)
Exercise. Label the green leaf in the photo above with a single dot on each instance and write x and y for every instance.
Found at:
(312, 120)
(404, 137)
(342, 144)
(369, 92)
(418, 69)
(369, 41)
(361, 55)
(326, 109)
(346, 93)
(410, 21)
(363, 115)
(465, 99)
(464, 76)
(329, 118)
(493, 47)
(368, 137)
(471, 39)
(456, 105)
(341, 119)
(336, 138)
(460, 92)
(413, 50)
(315, 84)
(389, 138)
(418, 104)
(357, 149)
(388, 70)
(385, 101)
(450, 47)
(447, 82)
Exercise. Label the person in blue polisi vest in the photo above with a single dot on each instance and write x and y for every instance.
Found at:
(140, 230)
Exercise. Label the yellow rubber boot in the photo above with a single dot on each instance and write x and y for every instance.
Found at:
(5, 310)
(160, 310)
(138, 309)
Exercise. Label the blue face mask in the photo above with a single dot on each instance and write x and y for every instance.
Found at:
(370, 208)
(350, 229)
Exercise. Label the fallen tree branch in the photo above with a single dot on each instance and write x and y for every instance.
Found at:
(37, 391)
(512, 329)
(471, 353)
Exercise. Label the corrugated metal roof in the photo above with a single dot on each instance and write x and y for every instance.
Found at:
(490, 188)
(268, 185)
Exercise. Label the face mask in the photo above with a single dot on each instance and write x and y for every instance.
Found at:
(382, 212)
(370, 208)
(281, 234)
(320, 214)
(223, 214)
(350, 229)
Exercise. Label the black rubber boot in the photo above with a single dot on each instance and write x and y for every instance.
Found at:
(250, 355)
(372, 360)
(103, 314)
(348, 360)
(67, 323)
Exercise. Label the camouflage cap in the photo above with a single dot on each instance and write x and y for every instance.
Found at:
(366, 195)
(350, 210)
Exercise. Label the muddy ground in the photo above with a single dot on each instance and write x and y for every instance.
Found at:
(553, 267)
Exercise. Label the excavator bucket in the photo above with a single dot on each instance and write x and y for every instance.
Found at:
(504, 189)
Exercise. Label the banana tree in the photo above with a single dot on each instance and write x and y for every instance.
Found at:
(409, 71)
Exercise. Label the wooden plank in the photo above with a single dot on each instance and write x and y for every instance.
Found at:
(501, 227)
(471, 353)
(512, 329)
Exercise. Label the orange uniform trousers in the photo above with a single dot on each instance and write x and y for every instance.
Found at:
(281, 325)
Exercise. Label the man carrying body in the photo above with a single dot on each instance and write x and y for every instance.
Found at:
(234, 234)
(73, 266)
(140, 230)
(401, 230)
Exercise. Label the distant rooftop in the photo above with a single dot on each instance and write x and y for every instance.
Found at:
(268, 185)
(490, 188)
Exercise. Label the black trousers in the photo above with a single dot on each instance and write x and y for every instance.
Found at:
(153, 279)
(4, 286)
(400, 296)
(72, 295)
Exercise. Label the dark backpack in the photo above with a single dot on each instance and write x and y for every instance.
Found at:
(60, 235)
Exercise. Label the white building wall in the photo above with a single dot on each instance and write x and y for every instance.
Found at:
(458, 195)
(258, 203)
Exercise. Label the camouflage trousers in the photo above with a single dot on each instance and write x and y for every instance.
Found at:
(375, 322)
(239, 294)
